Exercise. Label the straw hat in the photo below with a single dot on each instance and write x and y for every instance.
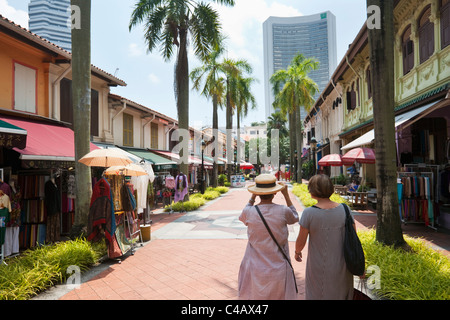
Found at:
(265, 184)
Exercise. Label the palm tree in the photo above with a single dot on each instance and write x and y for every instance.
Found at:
(292, 89)
(213, 86)
(232, 69)
(381, 47)
(277, 121)
(81, 88)
(243, 97)
(168, 24)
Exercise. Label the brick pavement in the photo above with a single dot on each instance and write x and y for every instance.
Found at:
(186, 269)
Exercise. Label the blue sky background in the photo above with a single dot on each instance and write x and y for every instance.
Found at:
(150, 78)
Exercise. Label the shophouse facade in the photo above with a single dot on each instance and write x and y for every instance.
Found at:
(422, 104)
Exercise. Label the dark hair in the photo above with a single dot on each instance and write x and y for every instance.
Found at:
(267, 196)
(321, 186)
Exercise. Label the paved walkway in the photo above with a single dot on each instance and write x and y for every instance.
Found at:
(193, 256)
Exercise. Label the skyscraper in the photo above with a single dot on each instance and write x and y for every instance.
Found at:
(50, 19)
(313, 36)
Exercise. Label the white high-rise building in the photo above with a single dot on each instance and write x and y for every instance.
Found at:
(50, 19)
(313, 36)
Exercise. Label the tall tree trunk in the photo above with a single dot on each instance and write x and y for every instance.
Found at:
(292, 145)
(229, 127)
(381, 47)
(238, 142)
(298, 143)
(81, 87)
(215, 124)
(182, 97)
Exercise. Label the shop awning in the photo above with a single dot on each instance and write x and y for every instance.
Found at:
(192, 159)
(45, 141)
(401, 121)
(12, 136)
(159, 161)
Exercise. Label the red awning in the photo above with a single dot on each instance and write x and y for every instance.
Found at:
(46, 141)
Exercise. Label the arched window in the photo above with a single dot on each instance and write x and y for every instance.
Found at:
(351, 98)
(408, 51)
(426, 35)
(445, 23)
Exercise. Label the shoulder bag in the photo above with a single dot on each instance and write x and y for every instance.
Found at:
(353, 251)
(279, 247)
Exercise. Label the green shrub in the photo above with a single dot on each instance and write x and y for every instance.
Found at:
(222, 190)
(422, 274)
(196, 200)
(211, 194)
(39, 268)
(222, 179)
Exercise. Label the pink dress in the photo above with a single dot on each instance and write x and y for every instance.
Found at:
(264, 273)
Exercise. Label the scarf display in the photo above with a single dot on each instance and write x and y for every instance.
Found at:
(101, 212)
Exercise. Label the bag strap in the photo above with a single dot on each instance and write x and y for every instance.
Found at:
(279, 247)
(347, 213)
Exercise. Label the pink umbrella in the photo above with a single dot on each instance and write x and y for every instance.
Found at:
(361, 155)
(331, 160)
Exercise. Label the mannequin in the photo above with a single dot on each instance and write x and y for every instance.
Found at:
(181, 187)
(53, 205)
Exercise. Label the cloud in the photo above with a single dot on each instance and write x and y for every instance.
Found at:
(19, 17)
(153, 78)
(242, 24)
(134, 50)
(244, 21)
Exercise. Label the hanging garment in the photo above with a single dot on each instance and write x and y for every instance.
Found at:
(4, 219)
(101, 212)
(170, 182)
(52, 198)
(181, 187)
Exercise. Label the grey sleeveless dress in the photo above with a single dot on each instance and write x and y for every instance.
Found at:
(327, 277)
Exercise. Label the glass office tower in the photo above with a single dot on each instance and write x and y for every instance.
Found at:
(50, 19)
(313, 36)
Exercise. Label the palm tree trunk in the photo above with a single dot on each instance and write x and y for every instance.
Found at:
(298, 143)
(229, 127)
(81, 87)
(292, 145)
(215, 124)
(238, 142)
(182, 96)
(381, 47)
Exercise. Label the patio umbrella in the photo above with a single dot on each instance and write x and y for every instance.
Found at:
(246, 165)
(331, 160)
(105, 158)
(361, 155)
(131, 169)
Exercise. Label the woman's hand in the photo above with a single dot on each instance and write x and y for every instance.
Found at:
(284, 191)
(298, 256)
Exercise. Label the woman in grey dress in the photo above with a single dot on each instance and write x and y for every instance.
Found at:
(327, 277)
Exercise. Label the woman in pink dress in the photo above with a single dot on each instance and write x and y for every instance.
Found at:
(265, 273)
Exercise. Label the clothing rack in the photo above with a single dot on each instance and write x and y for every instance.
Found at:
(415, 206)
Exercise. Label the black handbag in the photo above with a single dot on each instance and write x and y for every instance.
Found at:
(353, 251)
(279, 247)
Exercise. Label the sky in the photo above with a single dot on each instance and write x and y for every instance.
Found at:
(150, 78)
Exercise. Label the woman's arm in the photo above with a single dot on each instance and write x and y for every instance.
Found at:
(300, 243)
(285, 193)
(251, 201)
